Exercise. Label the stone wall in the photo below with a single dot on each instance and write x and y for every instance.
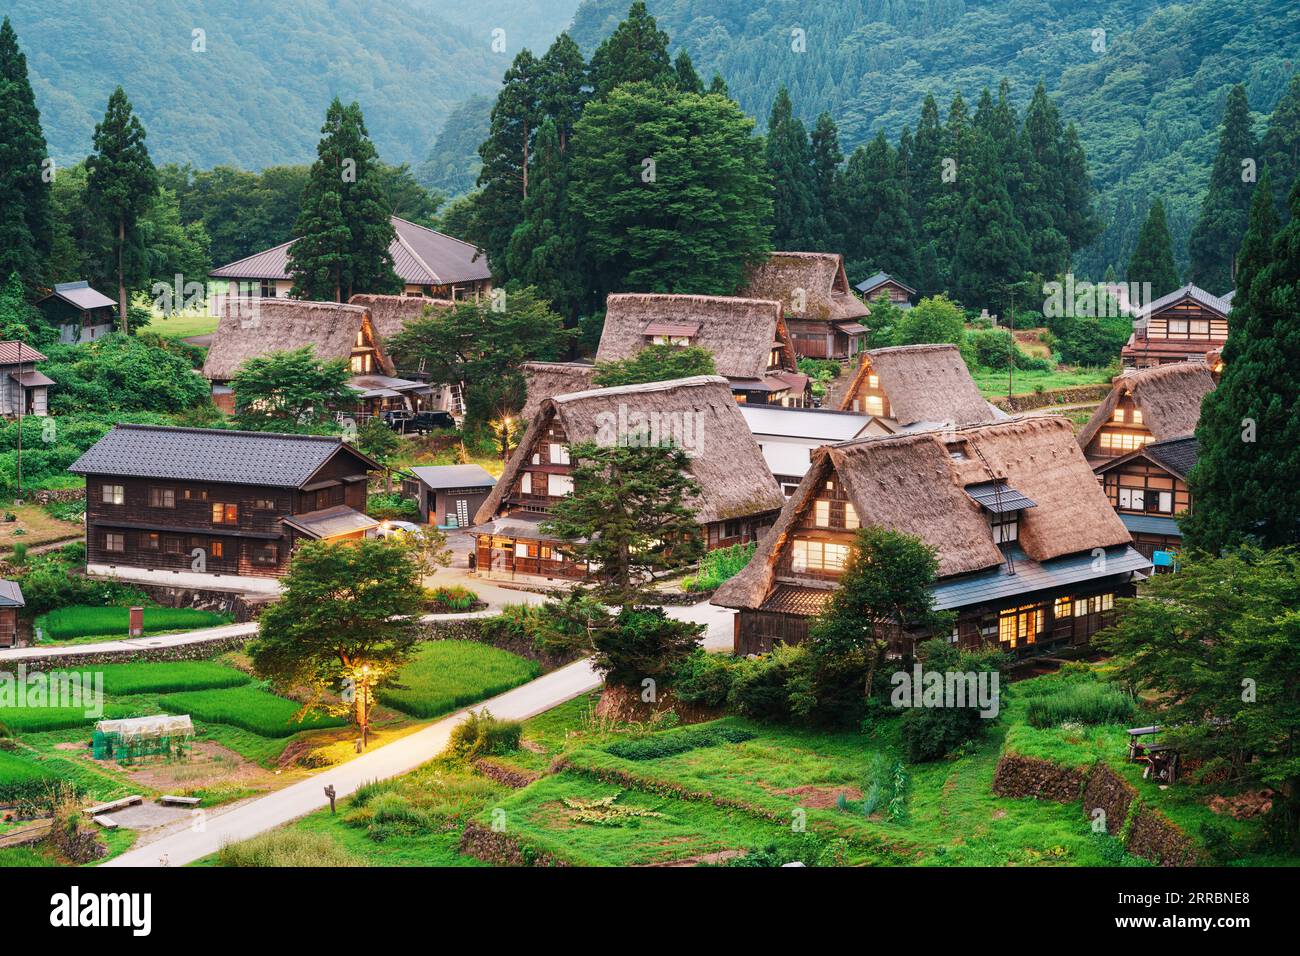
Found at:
(1144, 831)
(241, 606)
(1077, 395)
(194, 651)
(501, 849)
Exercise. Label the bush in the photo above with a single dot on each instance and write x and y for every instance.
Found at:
(675, 742)
(703, 679)
(482, 735)
(287, 848)
(931, 733)
(1094, 703)
(455, 597)
(516, 622)
(720, 566)
(996, 349)
(393, 508)
(758, 684)
(641, 643)
(67, 510)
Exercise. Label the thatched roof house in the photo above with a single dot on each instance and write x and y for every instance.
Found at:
(547, 379)
(815, 297)
(748, 337)
(390, 313)
(1146, 405)
(254, 328)
(910, 385)
(738, 496)
(1011, 509)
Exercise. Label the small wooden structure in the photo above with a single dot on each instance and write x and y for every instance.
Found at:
(1160, 761)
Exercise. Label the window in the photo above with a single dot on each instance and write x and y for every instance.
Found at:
(362, 364)
(150, 540)
(1164, 502)
(873, 405)
(1020, 625)
(822, 513)
(266, 554)
(525, 550)
(526, 483)
(850, 516)
(1200, 327)
(224, 514)
(1123, 441)
(1132, 498)
(559, 454)
(873, 381)
(217, 549)
(1119, 415)
(162, 497)
(1178, 326)
(264, 504)
(1062, 608)
(114, 494)
(1096, 604)
(173, 545)
(194, 494)
(818, 556)
(1006, 527)
(1137, 416)
(560, 485)
(267, 288)
(114, 542)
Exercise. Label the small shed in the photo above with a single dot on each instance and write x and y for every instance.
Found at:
(23, 390)
(81, 313)
(138, 738)
(11, 599)
(448, 495)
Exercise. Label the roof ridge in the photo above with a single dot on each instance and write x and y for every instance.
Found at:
(437, 280)
(194, 429)
(642, 388)
(683, 296)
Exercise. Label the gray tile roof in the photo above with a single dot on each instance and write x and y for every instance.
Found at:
(998, 497)
(996, 584)
(11, 595)
(454, 476)
(1150, 524)
(879, 279)
(1196, 293)
(210, 454)
(1176, 454)
(81, 295)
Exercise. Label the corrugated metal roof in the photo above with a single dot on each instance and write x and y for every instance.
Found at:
(1150, 524)
(824, 425)
(454, 476)
(32, 379)
(211, 454)
(421, 256)
(11, 353)
(996, 584)
(997, 497)
(11, 594)
(331, 522)
(81, 295)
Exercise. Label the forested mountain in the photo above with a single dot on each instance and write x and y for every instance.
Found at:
(1147, 94)
(255, 94)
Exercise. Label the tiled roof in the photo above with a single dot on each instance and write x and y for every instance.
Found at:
(879, 279)
(331, 522)
(211, 454)
(1191, 291)
(1176, 454)
(11, 594)
(997, 583)
(421, 256)
(788, 599)
(1150, 524)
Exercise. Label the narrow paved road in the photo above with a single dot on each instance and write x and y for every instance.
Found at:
(15, 655)
(401, 756)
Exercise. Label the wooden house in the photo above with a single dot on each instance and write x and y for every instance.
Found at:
(1181, 326)
(11, 602)
(217, 502)
(428, 262)
(23, 389)
(1031, 555)
(389, 315)
(81, 313)
(1148, 490)
(916, 386)
(253, 328)
(737, 499)
(882, 283)
(1146, 405)
(449, 496)
(823, 314)
(748, 338)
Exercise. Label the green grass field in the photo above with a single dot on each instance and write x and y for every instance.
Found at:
(77, 623)
(993, 383)
(182, 325)
(443, 676)
(164, 677)
(248, 708)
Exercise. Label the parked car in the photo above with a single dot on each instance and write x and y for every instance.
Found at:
(419, 422)
(394, 528)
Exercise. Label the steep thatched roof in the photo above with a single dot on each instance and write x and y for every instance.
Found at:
(249, 328)
(548, 379)
(1169, 397)
(821, 277)
(913, 484)
(390, 313)
(725, 460)
(739, 332)
(925, 383)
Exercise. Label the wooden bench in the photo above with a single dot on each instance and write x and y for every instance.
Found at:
(171, 800)
(108, 823)
(114, 805)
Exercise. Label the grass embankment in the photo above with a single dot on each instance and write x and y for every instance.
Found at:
(443, 676)
(993, 382)
(100, 623)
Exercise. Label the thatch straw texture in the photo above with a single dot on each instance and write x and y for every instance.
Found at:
(548, 379)
(1169, 397)
(815, 280)
(924, 383)
(390, 313)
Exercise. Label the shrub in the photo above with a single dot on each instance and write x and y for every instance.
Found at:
(703, 679)
(641, 643)
(455, 597)
(996, 349)
(931, 733)
(393, 508)
(758, 684)
(1095, 703)
(19, 555)
(481, 735)
(516, 622)
(67, 510)
(674, 742)
(720, 566)
(287, 848)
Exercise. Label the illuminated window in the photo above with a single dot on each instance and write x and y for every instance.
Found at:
(225, 514)
(873, 381)
(851, 517)
(1178, 326)
(874, 405)
(1200, 327)
(1062, 607)
(150, 540)
(1020, 625)
(818, 556)
(1123, 441)
(1119, 415)
(217, 549)
(1137, 416)
(822, 514)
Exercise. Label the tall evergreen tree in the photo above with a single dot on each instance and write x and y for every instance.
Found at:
(344, 227)
(1153, 256)
(562, 75)
(26, 220)
(992, 249)
(955, 177)
(543, 251)
(795, 215)
(880, 224)
(637, 51)
(1244, 482)
(503, 180)
(121, 184)
(688, 81)
(1079, 220)
(1279, 151)
(1217, 234)
(718, 86)
(1041, 206)
(926, 190)
(828, 183)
